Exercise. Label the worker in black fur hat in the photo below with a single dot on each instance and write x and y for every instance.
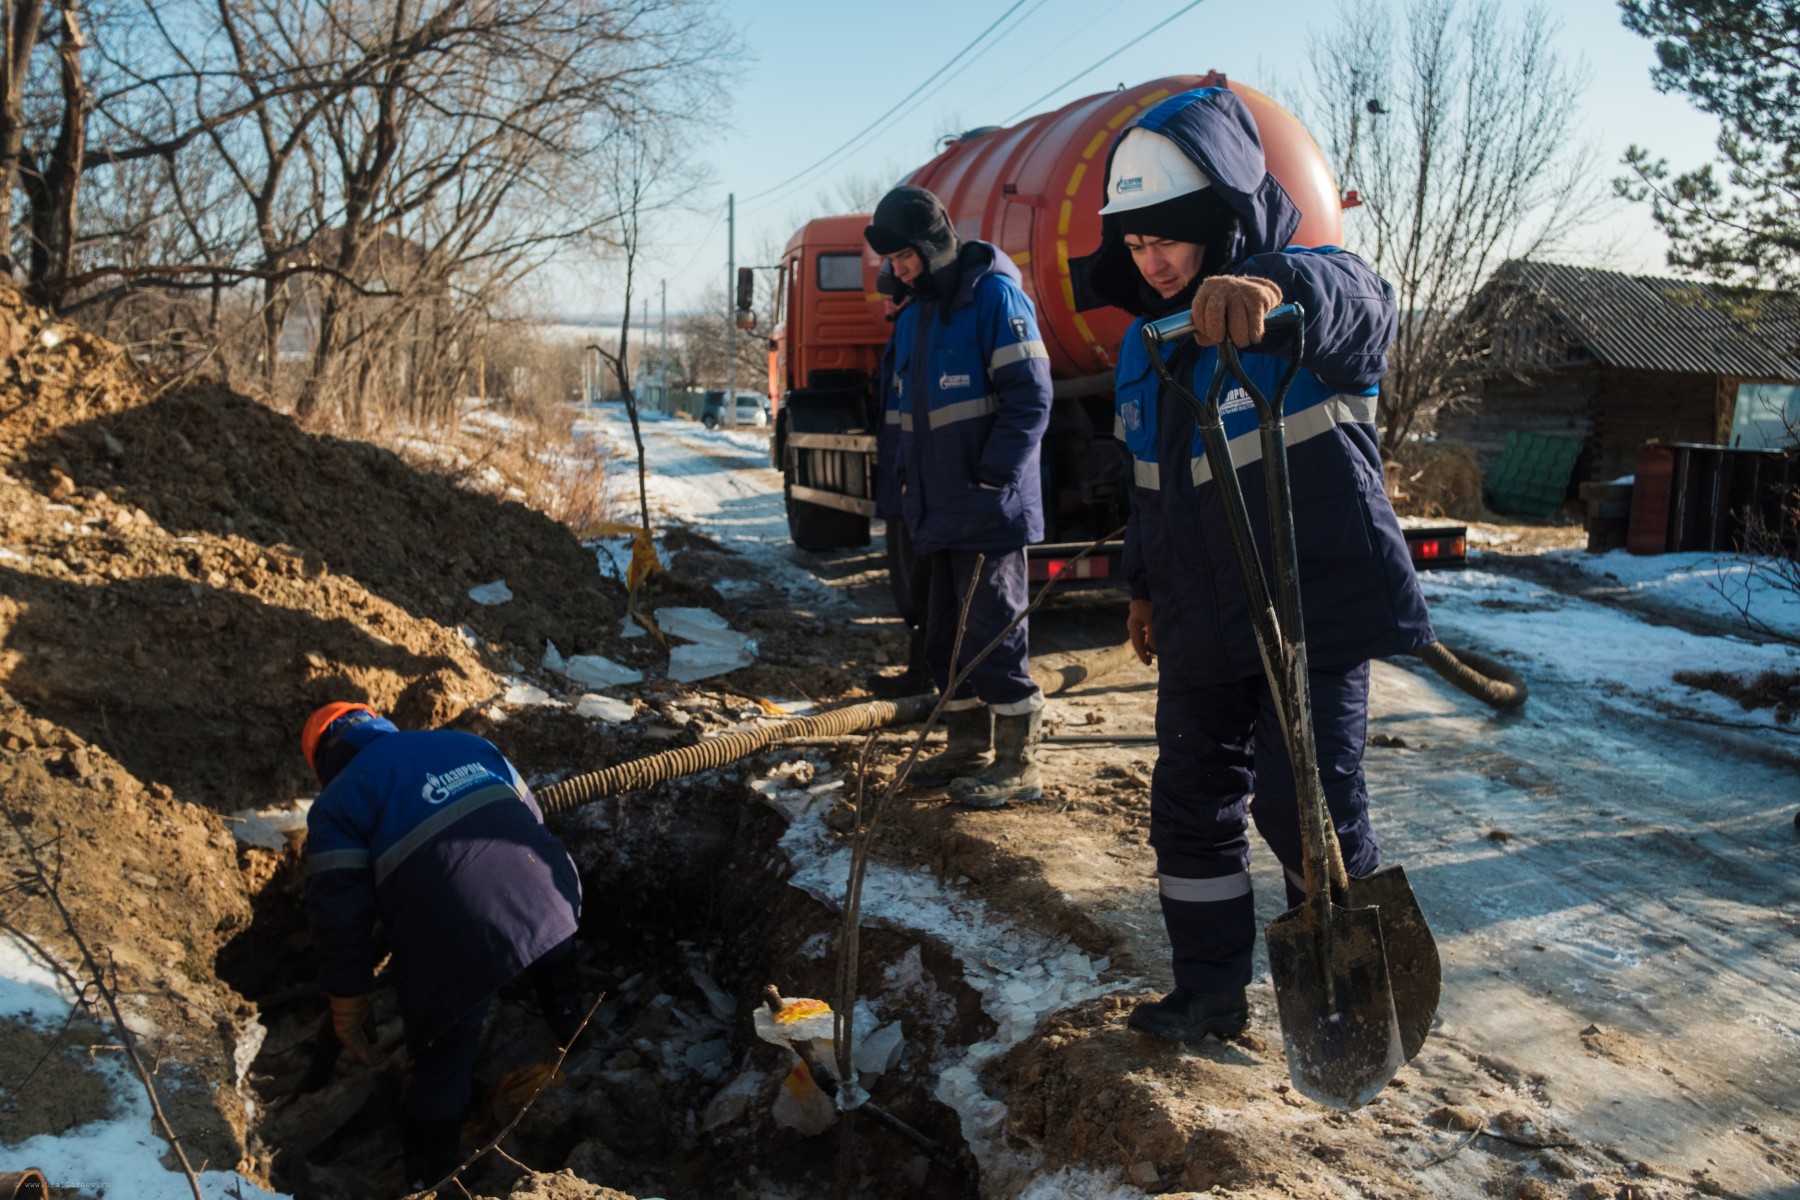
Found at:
(970, 390)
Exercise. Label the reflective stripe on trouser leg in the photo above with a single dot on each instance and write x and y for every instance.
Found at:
(1004, 677)
(1340, 707)
(1200, 830)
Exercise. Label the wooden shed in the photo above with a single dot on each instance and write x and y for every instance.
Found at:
(1616, 360)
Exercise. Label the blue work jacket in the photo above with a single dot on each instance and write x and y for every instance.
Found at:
(434, 835)
(970, 387)
(1360, 597)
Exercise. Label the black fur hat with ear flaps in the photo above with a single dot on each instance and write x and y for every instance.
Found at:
(912, 218)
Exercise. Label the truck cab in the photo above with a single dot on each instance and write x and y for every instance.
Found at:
(824, 354)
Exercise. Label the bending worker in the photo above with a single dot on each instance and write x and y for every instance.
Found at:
(1194, 221)
(434, 835)
(971, 386)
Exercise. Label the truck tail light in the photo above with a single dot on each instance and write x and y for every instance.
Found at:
(1440, 549)
(1041, 570)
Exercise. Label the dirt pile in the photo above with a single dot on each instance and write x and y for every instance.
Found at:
(184, 574)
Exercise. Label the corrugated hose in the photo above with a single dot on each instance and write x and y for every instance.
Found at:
(1476, 674)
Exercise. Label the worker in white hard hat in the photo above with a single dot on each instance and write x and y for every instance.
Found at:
(1194, 221)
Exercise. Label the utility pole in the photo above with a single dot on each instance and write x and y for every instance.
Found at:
(663, 352)
(730, 309)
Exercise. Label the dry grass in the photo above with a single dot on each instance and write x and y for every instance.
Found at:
(1440, 479)
(534, 458)
(1779, 690)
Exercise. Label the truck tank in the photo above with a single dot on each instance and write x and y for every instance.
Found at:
(1035, 189)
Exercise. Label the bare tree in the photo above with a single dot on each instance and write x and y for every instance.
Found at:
(1457, 132)
(377, 175)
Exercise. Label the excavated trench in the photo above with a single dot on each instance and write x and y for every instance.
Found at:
(688, 914)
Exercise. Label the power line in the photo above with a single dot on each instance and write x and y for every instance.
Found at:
(1006, 84)
(896, 116)
(1091, 68)
(890, 112)
(700, 247)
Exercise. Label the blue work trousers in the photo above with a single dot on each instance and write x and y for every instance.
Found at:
(1001, 594)
(1218, 745)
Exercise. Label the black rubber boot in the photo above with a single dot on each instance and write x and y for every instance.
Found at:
(1185, 1015)
(914, 681)
(429, 1152)
(971, 741)
(1014, 773)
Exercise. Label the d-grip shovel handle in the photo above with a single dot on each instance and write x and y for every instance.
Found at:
(1179, 325)
(1277, 619)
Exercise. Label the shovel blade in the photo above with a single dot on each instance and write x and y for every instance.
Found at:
(1336, 1004)
(1412, 956)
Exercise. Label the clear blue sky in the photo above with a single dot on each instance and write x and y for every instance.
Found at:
(815, 73)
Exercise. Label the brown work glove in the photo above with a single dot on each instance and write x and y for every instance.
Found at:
(1140, 631)
(1233, 306)
(350, 1021)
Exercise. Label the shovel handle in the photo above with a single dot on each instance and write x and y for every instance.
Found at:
(1181, 324)
(1275, 614)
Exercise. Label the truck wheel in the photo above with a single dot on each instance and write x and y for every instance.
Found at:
(815, 527)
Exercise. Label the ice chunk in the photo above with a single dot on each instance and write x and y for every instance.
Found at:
(696, 661)
(604, 708)
(491, 593)
(715, 647)
(717, 997)
(526, 695)
(698, 625)
(880, 1050)
(598, 671)
(730, 1101)
(270, 828)
(801, 1106)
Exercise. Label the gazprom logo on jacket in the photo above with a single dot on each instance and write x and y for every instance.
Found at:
(946, 381)
(1131, 416)
(439, 788)
(1236, 400)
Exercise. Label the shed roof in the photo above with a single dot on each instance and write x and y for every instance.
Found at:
(1579, 315)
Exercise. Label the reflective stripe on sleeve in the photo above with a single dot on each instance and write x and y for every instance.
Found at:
(893, 416)
(1246, 447)
(966, 410)
(1206, 891)
(1005, 356)
(337, 860)
(439, 821)
(1146, 474)
(905, 420)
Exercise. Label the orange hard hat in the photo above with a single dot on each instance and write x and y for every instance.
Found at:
(321, 720)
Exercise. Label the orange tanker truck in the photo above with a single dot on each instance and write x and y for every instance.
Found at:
(1035, 190)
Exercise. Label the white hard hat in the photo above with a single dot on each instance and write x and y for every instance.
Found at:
(1147, 169)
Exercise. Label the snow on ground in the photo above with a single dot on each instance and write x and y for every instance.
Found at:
(718, 481)
(1577, 641)
(116, 1157)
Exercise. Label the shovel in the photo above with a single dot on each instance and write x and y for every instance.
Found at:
(1355, 967)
